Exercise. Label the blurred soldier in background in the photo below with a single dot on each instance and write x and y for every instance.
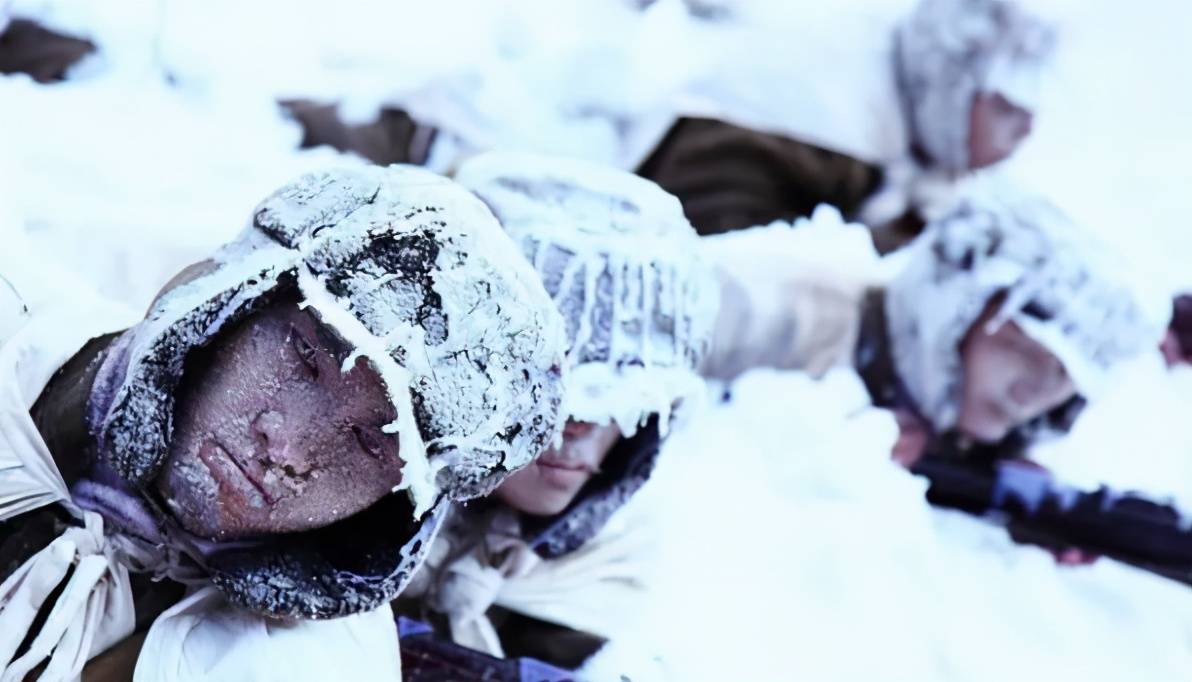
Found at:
(29, 48)
(897, 123)
(1002, 322)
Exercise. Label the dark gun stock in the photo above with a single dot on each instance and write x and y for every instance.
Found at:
(426, 657)
(1037, 509)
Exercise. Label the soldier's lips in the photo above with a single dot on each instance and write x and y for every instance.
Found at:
(564, 473)
(566, 464)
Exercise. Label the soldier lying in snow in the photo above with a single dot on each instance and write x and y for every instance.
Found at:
(1003, 321)
(281, 434)
(884, 135)
(542, 568)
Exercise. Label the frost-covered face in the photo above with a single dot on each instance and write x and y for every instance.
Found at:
(1009, 380)
(996, 127)
(271, 437)
(548, 485)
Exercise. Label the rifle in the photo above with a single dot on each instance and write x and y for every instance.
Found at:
(426, 657)
(1037, 509)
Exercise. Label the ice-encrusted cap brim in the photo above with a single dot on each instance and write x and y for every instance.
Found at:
(131, 408)
(415, 274)
(600, 393)
(326, 573)
(625, 269)
(440, 301)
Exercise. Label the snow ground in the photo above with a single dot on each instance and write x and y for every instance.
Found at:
(797, 551)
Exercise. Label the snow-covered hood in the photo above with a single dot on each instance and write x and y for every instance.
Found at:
(1061, 287)
(409, 270)
(639, 300)
(949, 50)
(623, 266)
(415, 274)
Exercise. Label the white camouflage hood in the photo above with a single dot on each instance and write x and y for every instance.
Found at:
(1061, 287)
(411, 271)
(949, 50)
(623, 266)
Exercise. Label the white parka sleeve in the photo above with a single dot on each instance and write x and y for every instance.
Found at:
(790, 296)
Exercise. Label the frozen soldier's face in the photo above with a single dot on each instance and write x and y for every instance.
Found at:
(270, 436)
(1009, 379)
(996, 127)
(548, 485)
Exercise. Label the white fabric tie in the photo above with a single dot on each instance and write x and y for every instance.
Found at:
(94, 610)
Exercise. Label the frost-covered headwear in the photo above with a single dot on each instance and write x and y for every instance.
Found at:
(639, 301)
(949, 50)
(624, 267)
(1060, 285)
(415, 275)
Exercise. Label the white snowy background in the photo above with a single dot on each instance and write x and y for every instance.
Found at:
(796, 550)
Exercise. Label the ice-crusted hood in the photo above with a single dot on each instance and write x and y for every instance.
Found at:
(623, 266)
(639, 301)
(1061, 286)
(949, 50)
(413, 273)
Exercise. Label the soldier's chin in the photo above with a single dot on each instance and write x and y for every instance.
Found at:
(541, 491)
(547, 504)
(985, 154)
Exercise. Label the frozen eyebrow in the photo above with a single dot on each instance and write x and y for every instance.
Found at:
(330, 342)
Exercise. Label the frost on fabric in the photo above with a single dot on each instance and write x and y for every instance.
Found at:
(132, 405)
(1061, 287)
(821, 247)
(411, 279)
(291, 582)
(949, 50)
(635, 330)
(417, 289)
(415, 275)
(623, 266)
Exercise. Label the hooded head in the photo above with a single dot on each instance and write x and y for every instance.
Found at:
(623, 266)
(968, 72)
(427, 312)
(1010, 266)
